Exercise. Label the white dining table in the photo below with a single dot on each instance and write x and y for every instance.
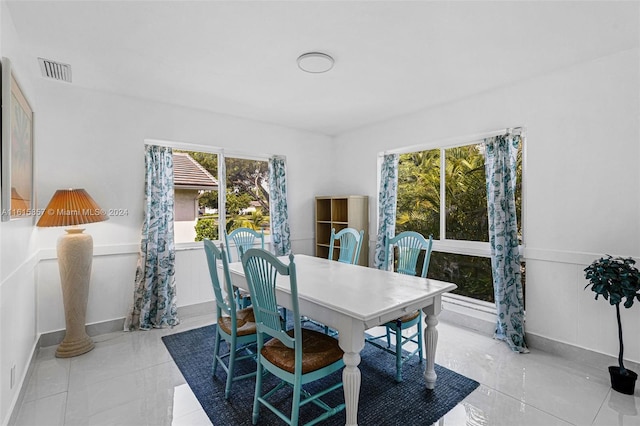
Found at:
(352, 299)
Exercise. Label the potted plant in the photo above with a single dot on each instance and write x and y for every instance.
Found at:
(616, 278)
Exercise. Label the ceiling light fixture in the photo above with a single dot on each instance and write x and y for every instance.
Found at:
(315, 62)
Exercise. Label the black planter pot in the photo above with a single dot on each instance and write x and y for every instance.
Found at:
(623, 383)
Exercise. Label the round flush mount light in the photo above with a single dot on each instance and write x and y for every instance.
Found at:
(315, 62)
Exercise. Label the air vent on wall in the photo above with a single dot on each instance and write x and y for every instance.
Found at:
(55, 70)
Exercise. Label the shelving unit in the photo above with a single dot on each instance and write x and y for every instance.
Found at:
(339, 212)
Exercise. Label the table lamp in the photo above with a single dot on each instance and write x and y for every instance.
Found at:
(73, 207)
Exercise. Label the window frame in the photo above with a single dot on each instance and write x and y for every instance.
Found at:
(222, 154)
(465, 247)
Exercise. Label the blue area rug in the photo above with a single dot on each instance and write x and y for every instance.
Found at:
(382, 400)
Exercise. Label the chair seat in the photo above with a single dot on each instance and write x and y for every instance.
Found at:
(318, 351)
(408, 317)
(245, 323)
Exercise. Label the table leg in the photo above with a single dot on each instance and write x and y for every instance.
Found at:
(351, 339)
(431, 341)
(351, 383)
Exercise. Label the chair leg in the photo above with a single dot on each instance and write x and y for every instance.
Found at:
(388, 337)
(399, 352)
(216, 350)
(420, 338)
(295, 404)
(258, 393)
(231, 368)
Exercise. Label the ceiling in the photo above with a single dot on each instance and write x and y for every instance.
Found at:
(391, 57)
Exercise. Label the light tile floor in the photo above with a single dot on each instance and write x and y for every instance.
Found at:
(130, 379)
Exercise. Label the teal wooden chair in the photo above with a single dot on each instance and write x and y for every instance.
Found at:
(298, 356)
(243, 239)
(349, 244)
(237, 328)
(404, 250)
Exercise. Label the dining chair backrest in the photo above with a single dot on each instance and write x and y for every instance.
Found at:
(237, 328)
(262, 269)
(243, 239)
(409, 244)
(283, 355)
(225, 303)
(350, 243)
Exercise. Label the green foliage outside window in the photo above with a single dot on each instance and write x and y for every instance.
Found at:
(466, 217)
(207, 227)
(245, 186)
(466, 196)
(418, 206)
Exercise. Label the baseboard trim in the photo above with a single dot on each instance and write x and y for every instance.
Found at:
(575, 353)
(485, 324)
(55, 337)
(13, 416)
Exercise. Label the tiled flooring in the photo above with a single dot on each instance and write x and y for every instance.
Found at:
(130, 379)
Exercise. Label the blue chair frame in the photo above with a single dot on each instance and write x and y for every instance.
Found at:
(243, 239)
(409, 245)
(262, 269)
(350, 243)
(237, 341)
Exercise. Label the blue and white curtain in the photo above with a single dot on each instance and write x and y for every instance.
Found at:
(500, 167)
(387, 200)
(155, 304)
(280, 234)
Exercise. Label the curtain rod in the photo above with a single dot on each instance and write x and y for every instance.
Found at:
(455, 141)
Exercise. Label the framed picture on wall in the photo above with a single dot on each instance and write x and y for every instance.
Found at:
(17, 149)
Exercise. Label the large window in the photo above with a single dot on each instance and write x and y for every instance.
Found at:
(239, 197)
(442, 192)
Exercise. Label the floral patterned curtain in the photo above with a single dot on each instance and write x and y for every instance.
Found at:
(280, 235)
(500, 167)
(386, 206)
(154, 304)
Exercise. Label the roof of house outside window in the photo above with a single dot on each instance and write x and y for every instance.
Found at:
(189, 174)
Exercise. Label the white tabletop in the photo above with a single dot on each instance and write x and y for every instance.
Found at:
(366, 294)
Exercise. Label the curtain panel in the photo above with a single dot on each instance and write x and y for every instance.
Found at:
(500, 167)
(154, 299)
(280, 234)
(387, 200)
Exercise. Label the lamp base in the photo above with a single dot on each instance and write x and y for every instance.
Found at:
(69, 348)
(75, 253)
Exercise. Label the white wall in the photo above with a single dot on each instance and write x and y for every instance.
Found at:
(96, 141)
(18, 260)
(581, 183)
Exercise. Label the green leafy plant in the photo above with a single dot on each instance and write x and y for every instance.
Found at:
(615, 279)
(206, 227)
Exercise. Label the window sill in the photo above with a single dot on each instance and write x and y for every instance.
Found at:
(470, 313)
(195, 245)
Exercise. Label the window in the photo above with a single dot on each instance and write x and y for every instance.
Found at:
(442, 192)
(199, 187)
